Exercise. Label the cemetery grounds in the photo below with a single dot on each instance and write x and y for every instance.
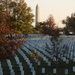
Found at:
(36, 57)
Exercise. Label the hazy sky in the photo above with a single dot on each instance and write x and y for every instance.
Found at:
(60, 9)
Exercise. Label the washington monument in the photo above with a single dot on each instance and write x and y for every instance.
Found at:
(37, 20)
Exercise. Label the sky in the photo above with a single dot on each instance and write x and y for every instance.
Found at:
(60, 9)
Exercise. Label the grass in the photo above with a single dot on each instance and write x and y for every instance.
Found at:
(60, 66)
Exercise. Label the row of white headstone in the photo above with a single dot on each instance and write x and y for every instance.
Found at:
(27, 60)
(70, 54)
(46, 53)
(41, 55)
(20, 64)
(10, 67)
(1, 71)
(64, 59)
(66, 72)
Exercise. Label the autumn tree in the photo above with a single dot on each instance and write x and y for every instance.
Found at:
(50, 28)
(9, 44)
(20, 14)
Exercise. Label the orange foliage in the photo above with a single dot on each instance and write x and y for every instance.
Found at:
(50, 28)
(8, 43)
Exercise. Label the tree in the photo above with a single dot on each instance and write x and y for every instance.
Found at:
(39, 27)
(23, 18)
(50, 27)
(70, 23)
(1, 9)
(20, 14)
(56, 49)
(9, 44)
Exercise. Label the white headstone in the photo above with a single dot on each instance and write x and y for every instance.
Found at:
(64, 58)
(22, 73)
(71, 57)
(12, 72)
(54, 71)
(74, 59)
(44, 58)
(73, 68)
(62, 55)
(67, 61)
(66, 71)
(54, 59)
(32, 69)
(39, 63)
(59, 56)
(1, 72)
(33, 73)
(43, 70)
(20, 64)
(30, 65)
(49, 63)
(67, 55)
(74, 54)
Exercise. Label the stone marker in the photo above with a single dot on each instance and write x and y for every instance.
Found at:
(49, 63)
(64, 58)
(39, 63)
(54, 71)
(67, 61)
(73, 68)
(43, 70)
(66, 71)
(74, 59)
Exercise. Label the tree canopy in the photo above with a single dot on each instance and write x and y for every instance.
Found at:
(20, 14)
(8, 42)
(70, 23)
(50, 27)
